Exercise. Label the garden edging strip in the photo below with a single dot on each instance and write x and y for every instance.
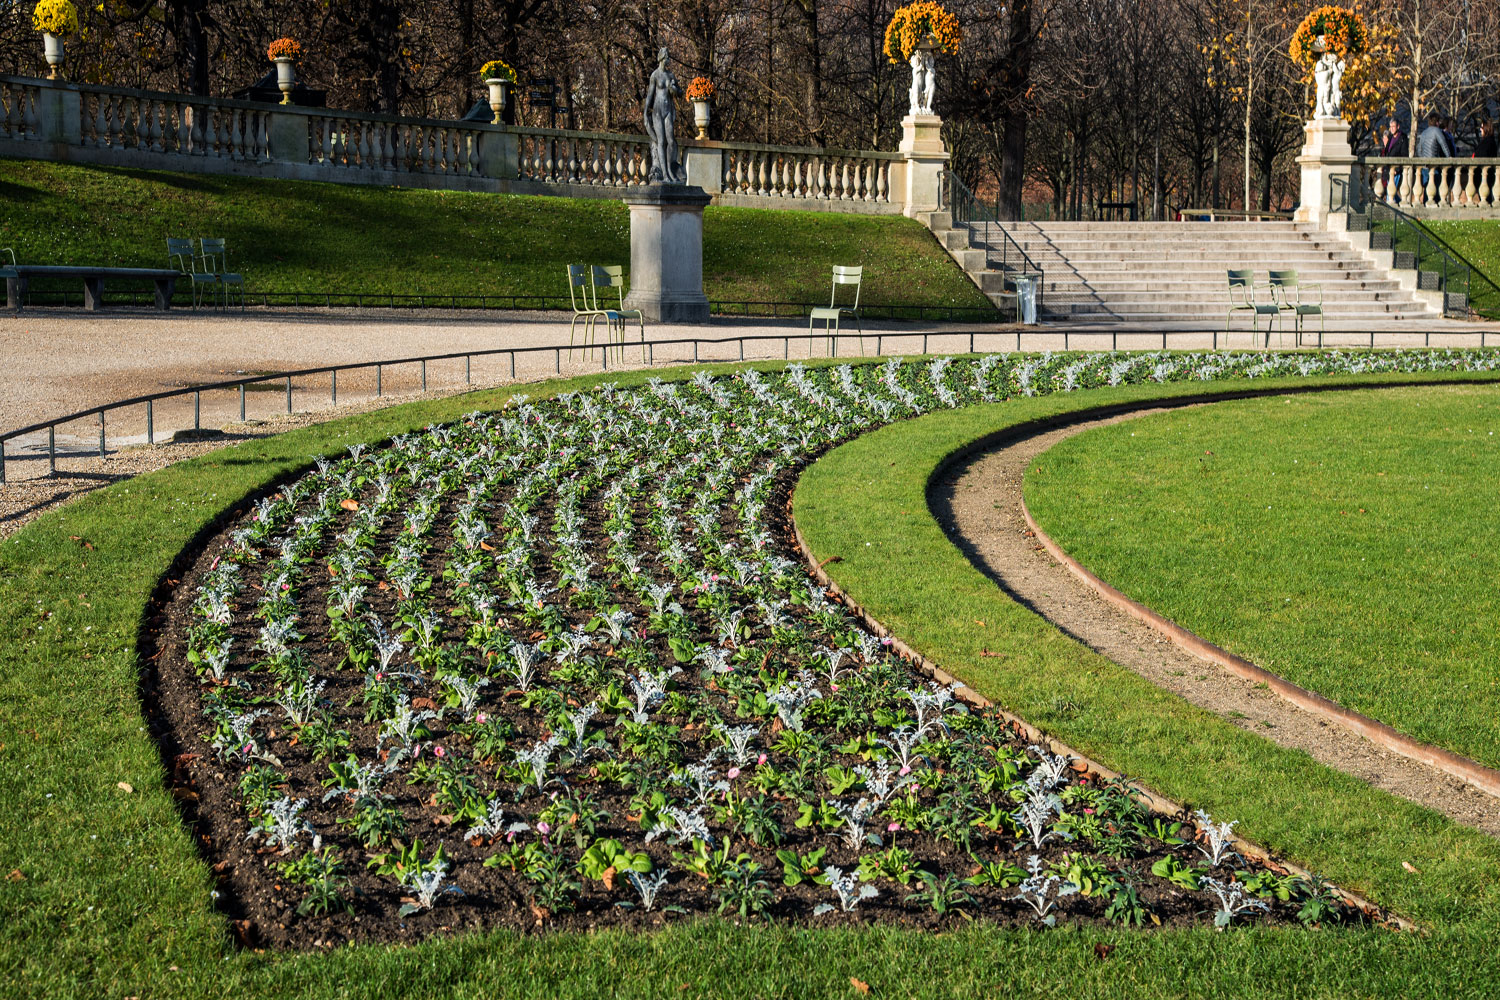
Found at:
(1482, 777)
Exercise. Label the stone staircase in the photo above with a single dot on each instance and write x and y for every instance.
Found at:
(1174, 272)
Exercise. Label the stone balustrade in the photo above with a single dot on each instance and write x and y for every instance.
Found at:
(111, 126)
(1440, 187)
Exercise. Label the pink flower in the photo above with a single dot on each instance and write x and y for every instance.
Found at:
(834, 688)
(544, 828)
(439, 752)
(417, 752)
(904, 770)
(761, 761)
(481, 718)
(892, 828)
(1088, 812)
(734, 772)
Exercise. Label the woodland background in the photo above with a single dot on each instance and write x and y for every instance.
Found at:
(1059, 104)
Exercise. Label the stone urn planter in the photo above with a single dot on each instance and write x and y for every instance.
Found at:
(498, 90)
(700, 118)
(52, 47)
(286, 78)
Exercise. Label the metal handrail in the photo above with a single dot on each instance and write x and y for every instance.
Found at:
(1456, 272)
(969, 212)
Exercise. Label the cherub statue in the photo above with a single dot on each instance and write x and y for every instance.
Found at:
(923, 81)
(1329, 74)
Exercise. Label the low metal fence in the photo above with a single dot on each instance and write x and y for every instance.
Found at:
(1000, 339)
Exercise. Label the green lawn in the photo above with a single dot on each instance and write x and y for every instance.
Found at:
(1341, 541)
(106, 896)
(291, 236)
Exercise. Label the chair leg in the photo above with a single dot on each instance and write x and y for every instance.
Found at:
(571, 327)
(642, 321)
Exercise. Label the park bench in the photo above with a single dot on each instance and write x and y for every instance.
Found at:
(18, 279)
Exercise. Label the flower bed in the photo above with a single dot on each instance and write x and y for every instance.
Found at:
(556, 666)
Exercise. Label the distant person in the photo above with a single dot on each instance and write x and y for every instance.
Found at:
(1432, 144)
(1393, 143)
(1432, 141)
(1449, 129)
(1487, 148)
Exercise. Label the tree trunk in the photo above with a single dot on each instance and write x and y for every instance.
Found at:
(1013, 151)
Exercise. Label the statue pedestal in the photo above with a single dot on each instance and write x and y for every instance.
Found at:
(1327, 162)
(926, 159)
(666, 253)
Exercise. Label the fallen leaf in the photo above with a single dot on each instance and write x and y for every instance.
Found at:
(979, 623)
(125, 787)
(424, 703)
(486, 546)
(349, 504)
(15, 876)
(863, 987)
(1407, 865)
(608, 878)
(382, 585)
(540, 912)
(1102, 950)
(986, 652)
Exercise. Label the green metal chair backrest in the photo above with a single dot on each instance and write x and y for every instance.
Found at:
(12, 255)
(215, 255)
(846, 276)
(609, 276)
(181, 252)
(579, 287)
(1242, 282)
(1284, 279)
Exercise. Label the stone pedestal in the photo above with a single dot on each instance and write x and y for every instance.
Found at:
(926, 159)
(1327, 164)
(666, 253)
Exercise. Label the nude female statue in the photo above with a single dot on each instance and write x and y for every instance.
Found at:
(661, 122)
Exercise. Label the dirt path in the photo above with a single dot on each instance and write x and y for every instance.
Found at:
(979, 505)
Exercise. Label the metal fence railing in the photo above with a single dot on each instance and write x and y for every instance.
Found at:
(999, 338)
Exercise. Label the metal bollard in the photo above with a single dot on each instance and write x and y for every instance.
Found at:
(52, 450)
(377, 380)
(424, 374)
(150, 424)
(242, 402)
(333, 391)
(289, 394)
(467, 379)
(557, 360)
(512, 364)
(101, 433)
(197, 409)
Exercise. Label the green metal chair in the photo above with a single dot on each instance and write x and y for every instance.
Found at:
(181, 253)
(833, 312)
(9, 273)
(1242, 298)
(608, 276)
(215, 260)
(1289, 294)
(585, 305)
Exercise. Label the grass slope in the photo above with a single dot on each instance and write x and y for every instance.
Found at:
(109, 897)
(1322, 537)
(303, 236)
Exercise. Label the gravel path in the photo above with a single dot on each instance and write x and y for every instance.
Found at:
(979, 505)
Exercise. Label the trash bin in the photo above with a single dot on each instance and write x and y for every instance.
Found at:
(1026, 289)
